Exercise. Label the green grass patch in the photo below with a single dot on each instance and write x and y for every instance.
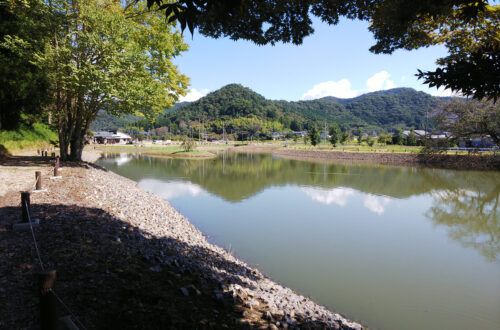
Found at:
(176, 150)
(28, 137)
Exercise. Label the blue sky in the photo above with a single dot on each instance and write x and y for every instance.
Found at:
(334, 61)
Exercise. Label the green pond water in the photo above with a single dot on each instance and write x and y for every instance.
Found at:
(390, 247)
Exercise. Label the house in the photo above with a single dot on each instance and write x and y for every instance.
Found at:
(111, 137)
(276, 135)
(300, 133)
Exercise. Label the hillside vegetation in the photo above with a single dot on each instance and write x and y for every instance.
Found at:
(25, 136)
(241, 108)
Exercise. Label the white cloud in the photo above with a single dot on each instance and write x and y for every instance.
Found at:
(379, 81)
(376, 204)
(341, 88)
(193, 95)
(337, 196)
(441, 91)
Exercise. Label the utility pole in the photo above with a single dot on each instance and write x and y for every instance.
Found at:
(324, 132)
(223, 132)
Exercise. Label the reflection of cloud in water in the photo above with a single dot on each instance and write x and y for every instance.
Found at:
(376, 204)
(168, 190)
(122, 159)
(337, 196)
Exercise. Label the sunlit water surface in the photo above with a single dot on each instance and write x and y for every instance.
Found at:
(390, 247)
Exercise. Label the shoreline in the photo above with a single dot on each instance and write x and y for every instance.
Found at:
(455, 162)
(149, 233)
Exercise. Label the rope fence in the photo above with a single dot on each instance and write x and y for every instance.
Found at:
(46, 279)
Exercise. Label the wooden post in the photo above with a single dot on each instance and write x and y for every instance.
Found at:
(48, 302)
(25, 205)
(57, 162)
(38, 152)
(53, 155)
(38, 177)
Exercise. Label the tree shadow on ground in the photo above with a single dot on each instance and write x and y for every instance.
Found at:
(112, 275)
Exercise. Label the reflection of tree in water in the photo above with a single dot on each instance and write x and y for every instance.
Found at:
(473, 217)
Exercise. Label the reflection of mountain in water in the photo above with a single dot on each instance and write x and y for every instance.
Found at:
(238, 176)
(466, 202)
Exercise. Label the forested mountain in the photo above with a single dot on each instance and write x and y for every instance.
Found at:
(108, 122)
(238, 107)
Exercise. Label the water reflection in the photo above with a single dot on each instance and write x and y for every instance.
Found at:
(338, 196)
(472, 217)
(465, 202)
(168, 190)
(376, 204)
(393, 247)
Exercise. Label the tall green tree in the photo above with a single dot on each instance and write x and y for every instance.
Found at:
(398, 137)
(24, 87)
(359, 133)
(411, 140)
(102, 56)
(314, 135)
(469, 29)
(344, 137)
(334, 132)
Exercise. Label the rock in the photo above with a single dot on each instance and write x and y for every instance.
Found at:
(156, 268)
(185, 292)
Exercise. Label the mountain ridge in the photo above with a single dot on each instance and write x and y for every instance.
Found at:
(384, 110)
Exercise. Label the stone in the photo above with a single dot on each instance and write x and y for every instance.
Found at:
(156, 268)
(185, 292)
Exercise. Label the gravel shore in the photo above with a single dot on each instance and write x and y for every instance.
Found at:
(126, 258)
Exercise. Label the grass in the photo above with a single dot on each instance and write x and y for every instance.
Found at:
(157, 150)
(356, 147)
(28, 138)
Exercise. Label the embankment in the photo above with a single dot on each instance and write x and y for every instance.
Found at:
(127, 259)
(461, 162)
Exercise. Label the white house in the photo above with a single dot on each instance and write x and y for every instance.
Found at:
(112, 137)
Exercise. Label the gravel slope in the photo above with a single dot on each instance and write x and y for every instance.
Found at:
(126, 258)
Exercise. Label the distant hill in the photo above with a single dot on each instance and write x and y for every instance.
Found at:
(380, 111)
(398, 107)
(107, 122)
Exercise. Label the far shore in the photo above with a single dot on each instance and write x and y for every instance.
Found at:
(414, 157)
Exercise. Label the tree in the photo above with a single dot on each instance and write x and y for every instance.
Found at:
(24, 86)
(315, 136)
(370, 140)
(465, 119)
(102, 57)
(384, 138)
(411, 140)
(360, 135)
(306, 139)
(398, 137)
(467, 28)
(334, 134)
(344, 137)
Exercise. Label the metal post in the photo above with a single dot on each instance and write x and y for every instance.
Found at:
(48, 302)
(38, 177)
(25, 205)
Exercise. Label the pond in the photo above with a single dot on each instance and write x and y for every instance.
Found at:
(390, 247)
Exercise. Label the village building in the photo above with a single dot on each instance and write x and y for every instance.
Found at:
(111, 137)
